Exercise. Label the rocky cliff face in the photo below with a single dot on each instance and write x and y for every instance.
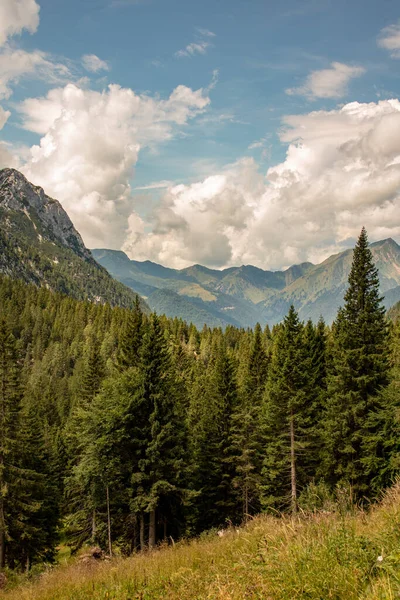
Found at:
(47, 215)
(40, 245)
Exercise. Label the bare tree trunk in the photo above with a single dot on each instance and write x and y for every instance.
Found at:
(109, 523)
(135, 537)
(293, 466)
(2, 536)
(246, 500)
(94, 529)
(141, 532)
(165, 529)
(152, 529)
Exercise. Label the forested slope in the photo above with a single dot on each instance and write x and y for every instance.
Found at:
(129, 429)
(39, 244)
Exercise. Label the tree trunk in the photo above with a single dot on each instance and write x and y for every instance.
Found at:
(135, 535)
(141, 532)
(165, 529)
(109, 523)
(293, 466)
(152, 529)
(2, 536)
(246, 500)
(2, 550)
(93, 536)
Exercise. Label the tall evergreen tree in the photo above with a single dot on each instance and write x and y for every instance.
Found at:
(246, 430)
(360, 373)
(10, 404)
(287, 417)
(131, 338)
(157, 483)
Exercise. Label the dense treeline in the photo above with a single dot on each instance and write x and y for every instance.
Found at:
(123, 429)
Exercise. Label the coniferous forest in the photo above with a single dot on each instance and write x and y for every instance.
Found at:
(123, 429)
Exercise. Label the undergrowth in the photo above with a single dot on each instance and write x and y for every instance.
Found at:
(352, 556)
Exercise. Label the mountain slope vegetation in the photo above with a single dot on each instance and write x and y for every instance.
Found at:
(39, 244)
(329, 554)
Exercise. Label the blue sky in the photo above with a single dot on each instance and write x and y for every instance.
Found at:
(238, 151)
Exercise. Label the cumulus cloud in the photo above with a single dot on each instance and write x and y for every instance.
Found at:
(389, 38)
(16, 15)
(328, 83)
(90, 146)
(342, 171)
(93, 63)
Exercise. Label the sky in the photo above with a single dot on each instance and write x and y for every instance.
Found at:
(221, 132)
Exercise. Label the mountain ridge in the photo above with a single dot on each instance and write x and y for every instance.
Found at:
(249, 294)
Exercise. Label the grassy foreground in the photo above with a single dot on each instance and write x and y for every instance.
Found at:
(324, 556)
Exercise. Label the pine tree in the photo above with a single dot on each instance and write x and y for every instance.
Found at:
(226, 401)
(131, 338)
(10, 404)
(246, 430)
(360, 373)
(93, 373)
(157, 482)
(214, 398)
(287, 419)
(315, 364)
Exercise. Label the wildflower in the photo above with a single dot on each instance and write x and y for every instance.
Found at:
(379, 559)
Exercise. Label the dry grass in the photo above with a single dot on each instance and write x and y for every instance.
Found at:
(318, 557)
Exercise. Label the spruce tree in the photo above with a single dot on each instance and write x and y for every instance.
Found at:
(131, 338)
(158, 481)
(287, 420)
(246, 429)
(360, 373)
(10, 405)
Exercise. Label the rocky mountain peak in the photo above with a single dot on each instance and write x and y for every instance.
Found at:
(50, 221)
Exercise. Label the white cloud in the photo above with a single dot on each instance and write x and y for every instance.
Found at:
(205, 32)
(15, 64)
(17, 15)
(4, 114)
(389, 38)
(193, 48)
(93, 63)
(90, 146)
(156, 185)
(342, 171)
(328, 83)
(199, 46)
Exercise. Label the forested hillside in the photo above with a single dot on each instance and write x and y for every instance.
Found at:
(40, 245)
(123, 429)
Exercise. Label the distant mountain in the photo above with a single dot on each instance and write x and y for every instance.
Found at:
(244, 295)
(40, 245)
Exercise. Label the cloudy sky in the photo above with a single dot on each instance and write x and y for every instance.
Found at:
(221, 132)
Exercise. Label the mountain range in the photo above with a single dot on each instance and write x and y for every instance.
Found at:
(40, 245)
(243, 295)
